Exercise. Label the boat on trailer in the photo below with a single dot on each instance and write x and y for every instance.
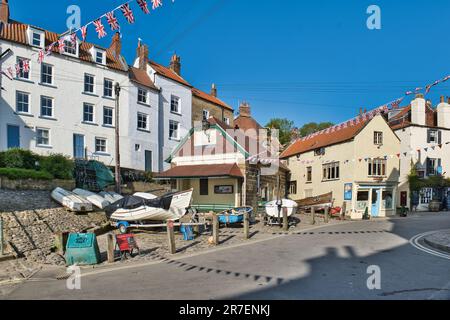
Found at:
(135, 209)
(71, 201)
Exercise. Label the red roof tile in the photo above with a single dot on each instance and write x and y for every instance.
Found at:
(247, 123)
(141, 77)
(205, 96)
(323, 140)
(166, 72)
(17, 32)
(199, 171)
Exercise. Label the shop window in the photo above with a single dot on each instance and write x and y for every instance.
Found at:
(362, 200)
(387, 199)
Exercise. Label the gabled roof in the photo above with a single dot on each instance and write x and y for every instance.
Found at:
(210, 98)
(324, 140)
(17, 32)
(403, 118)
(141, 77)
(247, 123)
(166, 72)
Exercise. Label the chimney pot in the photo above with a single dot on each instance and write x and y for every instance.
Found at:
(244, 110)
(175, 64)
(214, 90)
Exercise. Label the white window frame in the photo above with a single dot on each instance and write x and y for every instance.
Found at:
(18, 92)
(95, 51)
(22, 73)
(93, 112)
(327, 170)
(146, 118)
(30, 34)
(51, 107)
(98, 139)
(142, 93)
(67, 42)
(434, 134)
(378, 138)
(112, 116)
(376, 167)
(89, 84)
(173, 122)
(226, 120)
(38, 137)
(176, 99)
(44, 74)
(205, 114)
(106, 80)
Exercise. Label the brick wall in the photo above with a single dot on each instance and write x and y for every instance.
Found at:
(198, 105)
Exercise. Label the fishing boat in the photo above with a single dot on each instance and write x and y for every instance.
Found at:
(110, 196)
(71, 201)
(318, 202)
(93, 198)
(171, 206)
(235, 215)
(276, 208)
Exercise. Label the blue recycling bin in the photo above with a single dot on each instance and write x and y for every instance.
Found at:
(82, 249)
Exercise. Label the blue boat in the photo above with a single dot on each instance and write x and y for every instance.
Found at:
(235, 215)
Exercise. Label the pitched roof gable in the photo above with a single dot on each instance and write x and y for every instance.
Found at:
(210, 98)
(141, 77)
(166, 72)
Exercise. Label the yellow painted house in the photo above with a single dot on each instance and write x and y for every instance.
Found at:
(358, 162)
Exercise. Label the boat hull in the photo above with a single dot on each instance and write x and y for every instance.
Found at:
(93, 198)
(272, 209)
(111, 197)
(178, 208)
(71, 201)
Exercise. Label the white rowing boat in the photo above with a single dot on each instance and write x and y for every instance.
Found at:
(71, 201)
(274, 210)
(93, 198)
(110, 196)
(172, 206)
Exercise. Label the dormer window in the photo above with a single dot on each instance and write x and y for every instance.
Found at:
(36, 37)
(70, 47)
(98, 55)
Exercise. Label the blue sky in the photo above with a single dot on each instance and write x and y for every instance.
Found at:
(303, 60)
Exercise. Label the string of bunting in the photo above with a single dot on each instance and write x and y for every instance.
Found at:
(23, 65)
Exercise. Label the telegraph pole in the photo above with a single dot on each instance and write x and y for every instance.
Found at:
(117, 156)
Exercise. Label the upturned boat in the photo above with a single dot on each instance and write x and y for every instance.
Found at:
(71, 201)
(275, 208)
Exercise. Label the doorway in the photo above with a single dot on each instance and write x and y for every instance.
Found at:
(148, 161)
(376, 199)
(13, 136)
(78, 146)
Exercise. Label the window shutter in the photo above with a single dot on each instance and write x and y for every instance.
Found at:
(428, 136)
(439, 137)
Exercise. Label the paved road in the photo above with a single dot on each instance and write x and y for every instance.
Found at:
(325, 263)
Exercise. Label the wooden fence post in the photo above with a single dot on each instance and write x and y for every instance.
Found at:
(344, 210)
(313, 215)
(61, 241)
(171, 237)
(246, 226)
(326, 214)
(110, 252)
(216, 229)
(285, 220)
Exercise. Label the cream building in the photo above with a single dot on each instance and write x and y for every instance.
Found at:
(358, 164)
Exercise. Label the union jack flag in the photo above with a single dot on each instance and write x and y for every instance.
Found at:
(144, 6)
(41, 56)
(84, 32)
(73, 38)
(11, 72)
(127, 12)
(156, 4)
(100, 28)
(428, 88)
(18, 69)
(396, 103)
(26, 65)
(61, 46)
(112, 21)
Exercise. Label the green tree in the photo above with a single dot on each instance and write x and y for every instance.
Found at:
(313, 127)
(285, 128)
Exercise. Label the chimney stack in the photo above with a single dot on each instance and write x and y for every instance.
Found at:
(360, 111)
(175, 64)
(116, 45)
(142, 55)
(442, 99)
(244, 110)
(214, 90)
(418, 106)
(4, 12)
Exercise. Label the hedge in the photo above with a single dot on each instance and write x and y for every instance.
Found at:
(15, 174)
(58, 165)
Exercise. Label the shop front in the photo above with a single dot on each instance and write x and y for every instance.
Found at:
(377, 199)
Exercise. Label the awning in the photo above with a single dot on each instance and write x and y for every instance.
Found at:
(201, 171)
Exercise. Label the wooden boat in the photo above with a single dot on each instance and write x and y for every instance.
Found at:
(93, 198)
(172, 206)
(322, 201)
(235, 215)
(71, 201)
(144, 195)
(274, 210)
(110, 196)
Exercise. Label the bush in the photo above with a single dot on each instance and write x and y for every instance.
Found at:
(15, 174)
(18, 158)
(58, 165)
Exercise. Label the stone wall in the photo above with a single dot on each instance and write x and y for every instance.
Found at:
(30, 184)
(198, 105)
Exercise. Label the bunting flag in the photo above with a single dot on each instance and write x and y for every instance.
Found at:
(446, 78)
(18, 69)
(41, 56)
(144, 6)
(73, 38)
(61, 46)
(84, 32)
(100, 28)
(26, 65)
(127, 12)
(10, 71)
(112, 21)
(156, 4)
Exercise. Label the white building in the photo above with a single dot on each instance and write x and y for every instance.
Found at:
(175, 101)
(424, 132)
(67, 104)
